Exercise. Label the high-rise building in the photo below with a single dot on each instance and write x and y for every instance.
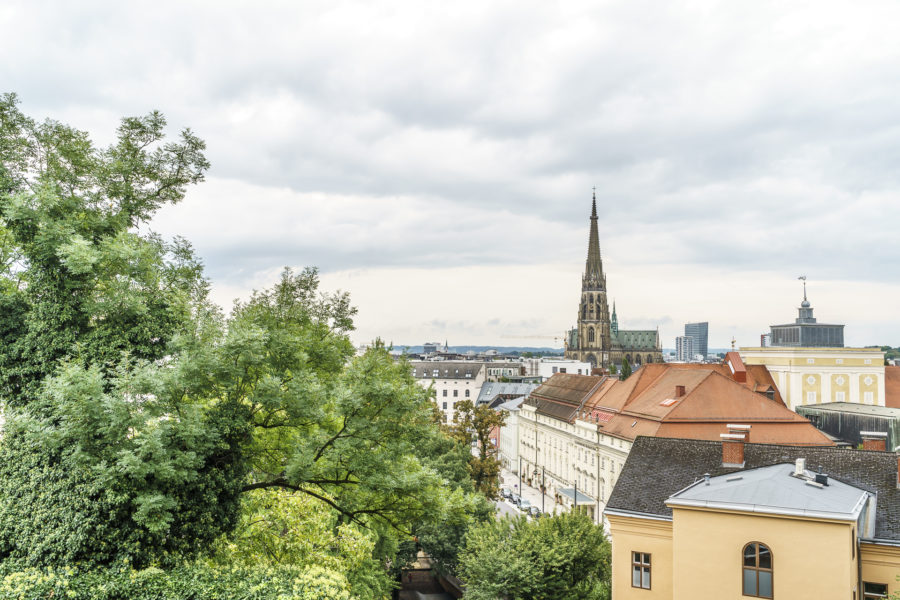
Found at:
(684, 348)
(597, 339)
(700, 333)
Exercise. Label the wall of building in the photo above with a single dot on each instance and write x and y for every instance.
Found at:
(810, 558)
(820, 375)
(646, 536)
(566, 454)
(880, 564)
(509, 441)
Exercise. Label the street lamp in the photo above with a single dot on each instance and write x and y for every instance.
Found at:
(543, 473)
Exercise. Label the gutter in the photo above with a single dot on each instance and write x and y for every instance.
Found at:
(755, 508)
(639, 515)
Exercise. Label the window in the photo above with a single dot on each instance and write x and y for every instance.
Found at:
(869, 397)
(757, 570)
(555, 369)
(810, 397)
(810, 361)
(839, 396)
(867, 361)
(562, 369)
(640, 570)
(436, 372)
(445, 393)
(839, 361)
(445, 406)
(874, 591)
(455, 393)
(467, 393)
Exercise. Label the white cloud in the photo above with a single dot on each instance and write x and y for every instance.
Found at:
(731, 142)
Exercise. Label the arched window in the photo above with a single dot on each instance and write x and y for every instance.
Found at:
(591, 335)
(757, 568)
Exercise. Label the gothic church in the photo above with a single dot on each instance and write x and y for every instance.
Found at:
(597, 339)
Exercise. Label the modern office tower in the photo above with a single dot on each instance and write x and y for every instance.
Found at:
(684, 348)
(700, 333)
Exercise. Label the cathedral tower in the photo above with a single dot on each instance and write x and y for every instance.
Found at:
(591, 341)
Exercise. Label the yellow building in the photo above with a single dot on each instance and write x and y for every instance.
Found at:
(821, 375)
(693, 519)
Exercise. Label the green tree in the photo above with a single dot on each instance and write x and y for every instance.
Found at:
(564, 556)
(77, 278)
(475, 423)
(625, 371)
(137, 415)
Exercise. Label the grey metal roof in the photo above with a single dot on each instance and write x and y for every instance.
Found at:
(656, 468)
(852, 407)
(774, 489)
(446, 369)
(512, 405)
(491, 389)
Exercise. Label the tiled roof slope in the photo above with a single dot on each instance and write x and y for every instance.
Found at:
(645, 404)
(892, 387)
(658, 467)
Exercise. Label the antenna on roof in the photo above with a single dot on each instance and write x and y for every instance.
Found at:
(803, 279)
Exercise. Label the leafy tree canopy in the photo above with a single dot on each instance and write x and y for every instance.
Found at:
(564, 556)
(77, 278)
(475, 423)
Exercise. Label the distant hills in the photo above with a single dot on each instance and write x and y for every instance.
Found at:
(477, 349)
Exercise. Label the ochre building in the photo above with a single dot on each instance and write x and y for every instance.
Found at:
(706, 520)
(597, 339)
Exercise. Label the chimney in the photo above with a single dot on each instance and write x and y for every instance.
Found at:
(732, 449)
(741, 429)
(736, 365)
(800, 466)
(679, 391)
(874, 440)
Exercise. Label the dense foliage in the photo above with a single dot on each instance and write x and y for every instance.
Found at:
(144, 428)
(564, 556)
(77, 279)
(473, 423)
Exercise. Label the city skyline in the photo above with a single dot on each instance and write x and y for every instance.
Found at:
(437, 162)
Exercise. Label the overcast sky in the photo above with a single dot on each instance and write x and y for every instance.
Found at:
(436, 159)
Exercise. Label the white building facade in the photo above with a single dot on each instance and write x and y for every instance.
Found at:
(567, 455)
(453, 381)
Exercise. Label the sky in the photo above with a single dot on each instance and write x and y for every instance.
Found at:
(436, 160)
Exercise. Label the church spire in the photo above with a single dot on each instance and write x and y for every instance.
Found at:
(593, 270)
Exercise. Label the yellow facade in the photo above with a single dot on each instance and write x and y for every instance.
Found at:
(697, 556)
(881, 564)
(821, 375)
(646, 536)
(811, 560)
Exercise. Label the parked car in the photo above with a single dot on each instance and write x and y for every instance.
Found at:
(515, 499)
(505, 492)
(535, 512)
(525, 505)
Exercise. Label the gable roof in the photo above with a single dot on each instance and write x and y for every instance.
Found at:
(646, 404)
(657, 468)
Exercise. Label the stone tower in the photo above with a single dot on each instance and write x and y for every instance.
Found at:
(592, 341)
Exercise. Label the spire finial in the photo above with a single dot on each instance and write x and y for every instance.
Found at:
(803, 278)
(594, 204)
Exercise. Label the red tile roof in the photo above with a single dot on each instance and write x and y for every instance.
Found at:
(647, 403)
